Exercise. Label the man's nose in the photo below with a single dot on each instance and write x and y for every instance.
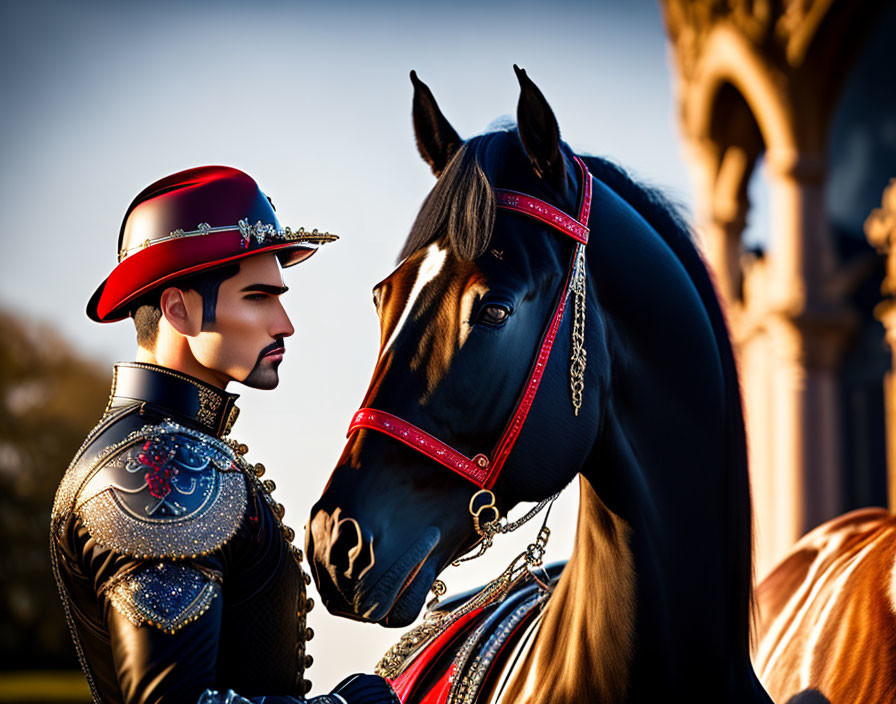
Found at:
(282, 325)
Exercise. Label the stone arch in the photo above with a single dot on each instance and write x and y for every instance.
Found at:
(728, 58)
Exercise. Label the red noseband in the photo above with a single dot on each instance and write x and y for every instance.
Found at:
(481, 470)
(476, 469)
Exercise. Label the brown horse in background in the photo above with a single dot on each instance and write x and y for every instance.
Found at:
(827, 615)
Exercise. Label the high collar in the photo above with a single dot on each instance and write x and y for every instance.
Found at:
(183, 396)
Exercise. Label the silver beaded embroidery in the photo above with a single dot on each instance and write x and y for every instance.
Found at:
(214, 518)
(470, 670)
(165, 595)
(74, 478)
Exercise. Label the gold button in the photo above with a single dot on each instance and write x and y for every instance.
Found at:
(269, 485)
(307, 686)
(259, 470)
(309, 661)
(280, 510)
(289, 533)
(309, 633)
(306, 577)
(309, 604)
(242, 449)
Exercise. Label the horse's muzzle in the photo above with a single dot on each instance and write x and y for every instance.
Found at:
(355, 582)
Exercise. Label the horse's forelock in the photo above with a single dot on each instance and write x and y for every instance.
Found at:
(460, 209)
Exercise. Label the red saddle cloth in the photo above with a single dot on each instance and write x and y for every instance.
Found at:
(472, 652)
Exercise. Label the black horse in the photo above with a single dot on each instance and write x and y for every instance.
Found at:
(655, 602)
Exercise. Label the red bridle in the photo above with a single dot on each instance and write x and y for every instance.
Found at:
(482, 470)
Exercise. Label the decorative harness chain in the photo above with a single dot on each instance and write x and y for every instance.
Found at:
(578, 358)
(534, 553)
(498, 525)
(481, 470)
(436, 622)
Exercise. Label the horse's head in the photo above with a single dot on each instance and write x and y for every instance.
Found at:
(461, 323)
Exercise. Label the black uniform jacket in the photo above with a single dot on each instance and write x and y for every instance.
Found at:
(174, 568)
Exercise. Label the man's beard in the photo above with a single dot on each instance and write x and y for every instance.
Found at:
(265, 377)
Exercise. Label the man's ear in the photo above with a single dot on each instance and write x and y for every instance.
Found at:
(183, 310)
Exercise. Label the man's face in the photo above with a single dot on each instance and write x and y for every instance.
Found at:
(245, 341)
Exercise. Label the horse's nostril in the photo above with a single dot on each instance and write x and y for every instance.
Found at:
(348, 554)
(341, 545)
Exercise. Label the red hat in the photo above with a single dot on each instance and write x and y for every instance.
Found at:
(188, 222)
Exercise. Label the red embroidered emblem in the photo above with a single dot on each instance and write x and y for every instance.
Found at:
(159, 470)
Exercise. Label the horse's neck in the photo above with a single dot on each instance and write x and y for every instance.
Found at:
(584, 646)
(642, 606)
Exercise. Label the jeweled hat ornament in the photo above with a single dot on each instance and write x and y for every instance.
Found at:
(189, 222)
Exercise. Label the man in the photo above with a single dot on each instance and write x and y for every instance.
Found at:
(179, 580)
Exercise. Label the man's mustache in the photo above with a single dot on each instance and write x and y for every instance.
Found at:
(276, 346)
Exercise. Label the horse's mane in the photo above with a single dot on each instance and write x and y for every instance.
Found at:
(461, 208)
(668, 222)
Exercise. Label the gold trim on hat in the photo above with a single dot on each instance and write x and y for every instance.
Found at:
(260, 231)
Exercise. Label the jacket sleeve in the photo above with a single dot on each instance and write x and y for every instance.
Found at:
(164, 623)
(151, 535)
(148, 531)
(164, 620)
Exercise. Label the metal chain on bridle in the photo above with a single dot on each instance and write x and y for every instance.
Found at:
(435, 622)
(532, 556)
(578, 358)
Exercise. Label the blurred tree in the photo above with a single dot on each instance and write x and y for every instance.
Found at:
(50, 398)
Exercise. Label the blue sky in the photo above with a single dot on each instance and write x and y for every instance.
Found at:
(313, 100)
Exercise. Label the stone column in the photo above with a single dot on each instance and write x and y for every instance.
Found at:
(810, 330)
(790, 330)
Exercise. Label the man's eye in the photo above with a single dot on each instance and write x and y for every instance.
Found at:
(256, 297)
(493, 315)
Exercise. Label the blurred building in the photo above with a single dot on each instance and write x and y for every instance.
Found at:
(804, 90)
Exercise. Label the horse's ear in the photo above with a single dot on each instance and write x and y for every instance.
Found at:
(539, 131)
(436, 139)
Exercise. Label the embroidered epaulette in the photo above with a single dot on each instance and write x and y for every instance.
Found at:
(167, 596)
(165, 491)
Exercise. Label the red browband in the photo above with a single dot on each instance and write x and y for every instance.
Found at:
(547, 213)
(480, 470)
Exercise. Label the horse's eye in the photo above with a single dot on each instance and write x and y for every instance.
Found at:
(493, 315)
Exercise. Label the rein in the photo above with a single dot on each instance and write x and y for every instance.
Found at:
(483, 470)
